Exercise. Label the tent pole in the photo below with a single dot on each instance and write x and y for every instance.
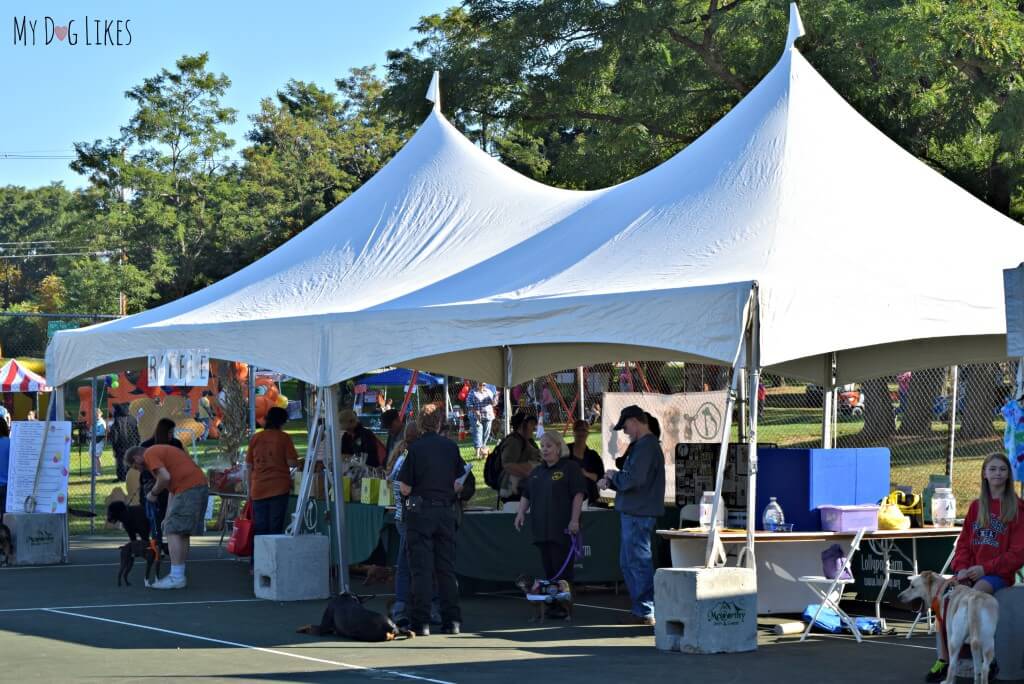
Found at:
(334, 455)
(506, 353)
(55, 412)
(743, 402)
(714, 555)
(583, 393)
(828, 385)
(447, 402)
(92, 457)
(252, 400)
(316, 437)
(754, 386)
(955, 373)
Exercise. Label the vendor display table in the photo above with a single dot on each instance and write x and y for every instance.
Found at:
(783, 557)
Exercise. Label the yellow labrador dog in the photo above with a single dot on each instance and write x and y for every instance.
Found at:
(964, 615)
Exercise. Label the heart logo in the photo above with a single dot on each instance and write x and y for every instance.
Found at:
(61, 32)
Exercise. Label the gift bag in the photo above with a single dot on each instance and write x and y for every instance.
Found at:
(386, 497)
(370, 490)
(240, 543)
(832, 560)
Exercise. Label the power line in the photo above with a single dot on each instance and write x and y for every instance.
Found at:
(53, 254)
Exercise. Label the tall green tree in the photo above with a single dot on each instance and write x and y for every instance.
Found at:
(165, 186)
(312, 148)
(585, 93)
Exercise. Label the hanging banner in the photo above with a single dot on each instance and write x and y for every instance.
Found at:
(179, 368)
(688, 417)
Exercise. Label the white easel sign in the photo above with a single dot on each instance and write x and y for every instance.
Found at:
(50, 468)
(179, 368)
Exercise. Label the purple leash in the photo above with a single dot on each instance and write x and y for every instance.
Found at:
(575, 551)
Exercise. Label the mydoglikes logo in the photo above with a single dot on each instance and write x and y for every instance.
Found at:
(90, 31)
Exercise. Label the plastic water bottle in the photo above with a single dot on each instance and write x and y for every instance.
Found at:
(943, 507)
(773, 515)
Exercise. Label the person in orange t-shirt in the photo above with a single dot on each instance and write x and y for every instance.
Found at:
(174, 471)
(271, 453)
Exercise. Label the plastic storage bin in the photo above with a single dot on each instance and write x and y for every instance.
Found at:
(849, 518)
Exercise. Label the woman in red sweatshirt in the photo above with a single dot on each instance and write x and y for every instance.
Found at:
(990, 548)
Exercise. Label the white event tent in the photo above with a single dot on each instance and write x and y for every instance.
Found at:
(792, 226)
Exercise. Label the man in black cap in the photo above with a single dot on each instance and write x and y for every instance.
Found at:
(430, 479)
(640, 499)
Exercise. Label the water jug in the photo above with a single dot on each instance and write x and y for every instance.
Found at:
(773, 515)
(943, 507)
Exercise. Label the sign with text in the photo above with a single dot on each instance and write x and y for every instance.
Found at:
(690, 417)
(179, 368)
(53, 327)
(31, 441)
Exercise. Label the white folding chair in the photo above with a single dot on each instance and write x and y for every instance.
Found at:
(825, 589)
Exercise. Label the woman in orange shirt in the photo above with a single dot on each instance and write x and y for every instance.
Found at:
(271, 453)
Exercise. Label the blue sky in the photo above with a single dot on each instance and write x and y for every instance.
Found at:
(58, 94)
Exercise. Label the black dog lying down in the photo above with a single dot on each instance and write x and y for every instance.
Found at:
(139, 549)
(345, 616)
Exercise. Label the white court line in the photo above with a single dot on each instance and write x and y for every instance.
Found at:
(250, 647)
(104, 565)
(877, 642)
(132, 605)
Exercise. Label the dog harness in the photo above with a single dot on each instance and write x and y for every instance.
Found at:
(941, 601)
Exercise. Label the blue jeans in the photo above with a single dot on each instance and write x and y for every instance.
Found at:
(268, 515)
(637, 563)
(481, 432)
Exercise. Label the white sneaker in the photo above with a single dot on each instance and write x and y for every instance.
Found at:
(168, 582)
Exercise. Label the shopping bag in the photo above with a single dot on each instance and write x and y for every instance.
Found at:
(386, 496)
(240, 543)
(370, 491)
(832, 560)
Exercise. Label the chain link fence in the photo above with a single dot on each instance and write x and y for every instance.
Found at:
(909, 413)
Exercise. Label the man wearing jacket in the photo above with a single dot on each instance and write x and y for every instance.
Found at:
(640, 499)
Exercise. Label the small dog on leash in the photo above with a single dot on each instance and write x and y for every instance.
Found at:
(5, 545)
(345, 616)
(967, 616)
(139, 548)
(553, 597)
(132, 518)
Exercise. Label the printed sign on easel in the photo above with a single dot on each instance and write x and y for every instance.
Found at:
(28, 439)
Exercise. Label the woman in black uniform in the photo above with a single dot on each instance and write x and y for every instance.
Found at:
(553, 495)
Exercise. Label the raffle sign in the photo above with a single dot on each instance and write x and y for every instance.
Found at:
(179, 368)
(688, 417)
(27, 441)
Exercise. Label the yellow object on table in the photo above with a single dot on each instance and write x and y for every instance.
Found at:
(370, 490)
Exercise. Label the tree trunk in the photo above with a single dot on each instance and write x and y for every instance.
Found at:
(981, 398)
(879, 417)
(919, 411)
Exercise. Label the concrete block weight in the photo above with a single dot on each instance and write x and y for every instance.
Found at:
(705, 610)
(288, 568)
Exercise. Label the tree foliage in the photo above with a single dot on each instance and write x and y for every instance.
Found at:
(574, 93)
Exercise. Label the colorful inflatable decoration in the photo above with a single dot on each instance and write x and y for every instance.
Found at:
(127, 387)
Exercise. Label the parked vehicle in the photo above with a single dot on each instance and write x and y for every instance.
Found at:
(851, 400)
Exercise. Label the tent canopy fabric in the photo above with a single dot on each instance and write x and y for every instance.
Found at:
(849, 243)
(16, 378)
(402, 376)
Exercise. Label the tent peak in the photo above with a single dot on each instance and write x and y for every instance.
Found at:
(796, 25)
(434, 90)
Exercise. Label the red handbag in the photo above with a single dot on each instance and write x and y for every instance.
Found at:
(240, 543)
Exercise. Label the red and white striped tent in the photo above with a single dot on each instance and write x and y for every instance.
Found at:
(16, 378)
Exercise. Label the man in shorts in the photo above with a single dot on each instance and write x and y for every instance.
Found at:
(175, 471)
